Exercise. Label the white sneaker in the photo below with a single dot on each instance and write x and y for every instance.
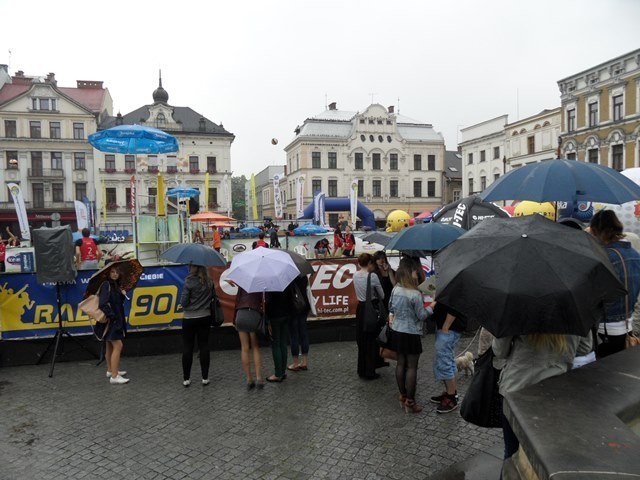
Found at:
(206, 382)
(119, 380)
(121, 373)
(186, 383)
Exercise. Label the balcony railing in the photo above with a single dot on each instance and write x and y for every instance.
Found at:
(46, 172)
(30, 205)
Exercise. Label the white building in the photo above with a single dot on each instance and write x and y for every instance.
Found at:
(398, 162)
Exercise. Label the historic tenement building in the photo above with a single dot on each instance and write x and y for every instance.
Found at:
(601, 113)
(43, 144)
(397, 162)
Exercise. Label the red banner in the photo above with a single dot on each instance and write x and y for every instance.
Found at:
(133, 195)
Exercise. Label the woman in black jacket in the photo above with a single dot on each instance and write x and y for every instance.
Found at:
(112, 298)
(197, 294)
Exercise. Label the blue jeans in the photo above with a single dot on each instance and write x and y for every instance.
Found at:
(298, 335)
(444, 363)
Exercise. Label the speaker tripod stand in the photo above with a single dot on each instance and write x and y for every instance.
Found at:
(58, 339)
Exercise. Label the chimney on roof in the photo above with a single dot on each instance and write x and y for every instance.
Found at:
(391, 109)
(51, 78)
(119, 119)
(20, 73)
(333, 106)
(89, 84)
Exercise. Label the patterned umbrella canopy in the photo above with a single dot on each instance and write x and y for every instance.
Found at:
(130, 272)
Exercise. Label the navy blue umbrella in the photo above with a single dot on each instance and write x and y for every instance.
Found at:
(194, 253)
(424, 238)
(133, 139)
(563, 181)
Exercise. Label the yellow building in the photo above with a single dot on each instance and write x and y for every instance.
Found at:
(601, 113)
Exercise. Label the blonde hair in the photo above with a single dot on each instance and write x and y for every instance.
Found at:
(404, 276)
(203, 274)
(546, 341)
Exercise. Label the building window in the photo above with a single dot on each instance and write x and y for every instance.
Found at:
(333, 160)
(11, 158)
(54, 129)
(36, 163)
(81, 191)
(34, 128)
(211, 165)
(37, 190)
(112, 199)
(616, 158)
(376, 188)
(470, 159)
(78, 131)
(316, 185)
(393, 188)
(127, 197)
(483, 183)
(417, 188)
(375, 161)
(496, 176)
(79, 161)
(130, 163)
(531, 144)
(593, 114)
(10, 130)
(393, 161)
(360, 188)
(110, 163)
(496, 152)
(315, 160)
(571, 156)
(431, 162)
(48, 104)
(483, 156)
(618, 113)
(57, 192)
(456, 195)
(470, 186)
(153, 195)
(417, 162)
(56, 160)
(194, 164)
(359, 164)
(431, 188)
(213, 197)
(333, 188)
(571, 120)
(592, 155)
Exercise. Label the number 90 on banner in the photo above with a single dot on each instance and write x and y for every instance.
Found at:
(154, 305)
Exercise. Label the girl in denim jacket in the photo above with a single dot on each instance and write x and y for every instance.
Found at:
(409, 314)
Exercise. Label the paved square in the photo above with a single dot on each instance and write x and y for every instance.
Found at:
(323, 423)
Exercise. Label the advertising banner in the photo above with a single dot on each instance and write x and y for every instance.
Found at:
(154, 303)
(353, 202)
(21, 211)
(300, 196)
(133, 193)
(277, 197)
(82, 215)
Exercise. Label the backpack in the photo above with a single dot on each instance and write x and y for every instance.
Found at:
(298, 303)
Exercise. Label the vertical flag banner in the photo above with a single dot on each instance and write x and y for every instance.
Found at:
(353, 202)
(82, 214)
(160, 199)
(104, 203)
(254, 205)
(21, 211)
(206, 192)
(132, 200)
(226, 197)
(300, 196)
(318, 208)
(90, 219)
(277, 197)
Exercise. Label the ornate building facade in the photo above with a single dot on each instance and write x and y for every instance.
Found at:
(397, 162)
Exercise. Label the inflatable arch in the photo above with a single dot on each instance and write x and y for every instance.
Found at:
(344, 205)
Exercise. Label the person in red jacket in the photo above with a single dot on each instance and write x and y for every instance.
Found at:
(3, 253)
(87, 252)
(260, 242)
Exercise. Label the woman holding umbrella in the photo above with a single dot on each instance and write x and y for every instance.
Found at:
(614, 327)
(249, 312)
(197, 294)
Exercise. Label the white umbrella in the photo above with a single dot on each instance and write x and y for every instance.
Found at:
(262, 270)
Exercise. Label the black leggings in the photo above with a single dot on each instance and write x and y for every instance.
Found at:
(192, 328)
(407, 374)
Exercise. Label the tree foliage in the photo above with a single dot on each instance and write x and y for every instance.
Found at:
(238, 197)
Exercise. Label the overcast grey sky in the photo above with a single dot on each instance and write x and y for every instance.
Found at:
(260, 67)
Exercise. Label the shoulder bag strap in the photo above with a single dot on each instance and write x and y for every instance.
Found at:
(626, 286)
(368, 298)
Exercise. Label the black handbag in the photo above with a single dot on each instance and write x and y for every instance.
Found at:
(482, 403)
(217, 315)
(375, 315)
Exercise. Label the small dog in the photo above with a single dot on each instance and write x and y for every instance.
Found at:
(465, 363)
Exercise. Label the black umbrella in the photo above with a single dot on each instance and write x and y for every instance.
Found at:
(194, 253)
(381, 238)
(301, 262)
(468, 212)
(525, 275)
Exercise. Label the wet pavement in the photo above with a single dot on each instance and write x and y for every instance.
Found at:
(322, 423)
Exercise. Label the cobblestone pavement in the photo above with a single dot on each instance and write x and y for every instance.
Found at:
(323, 423)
